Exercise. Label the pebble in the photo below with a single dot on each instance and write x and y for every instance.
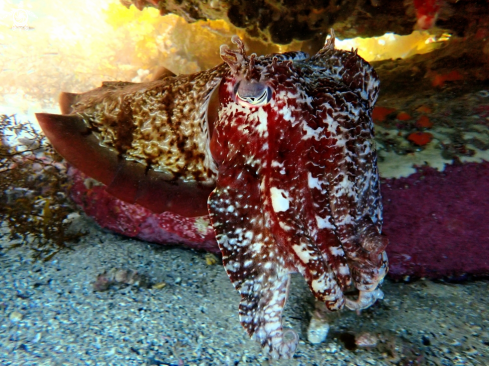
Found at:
(317, 331)
(472, 352)
(366, 340)
(159, 285)
(210, 259)
(332, 348)
(15, 316)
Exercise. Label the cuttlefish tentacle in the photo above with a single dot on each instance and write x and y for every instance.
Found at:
(352, 170)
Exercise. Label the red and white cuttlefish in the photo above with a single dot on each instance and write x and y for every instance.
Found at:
(277, 149)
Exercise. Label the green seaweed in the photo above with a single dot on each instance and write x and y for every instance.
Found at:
(34, 205)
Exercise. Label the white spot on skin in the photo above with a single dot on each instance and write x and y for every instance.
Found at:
(232, 266)
(318, 285)
(248, 263)
(285, 112)
(313, 182)
(330, 121)
(284, 226)
(346, 220)
(344, 270)
(249, 235)
(324, 223)
(311, 132)
(302, 252)
(262, 185)
(271, 326)
(337, 251)
(280, 199)
(256, 247)
(262, 118)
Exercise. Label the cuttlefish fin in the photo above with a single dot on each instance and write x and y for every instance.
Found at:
(73, 140)
(161, 73)
(127, 180)
(66, 102)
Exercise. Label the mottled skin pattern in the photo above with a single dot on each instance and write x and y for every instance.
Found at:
(160, 125)
(298, 187)
(285, 141)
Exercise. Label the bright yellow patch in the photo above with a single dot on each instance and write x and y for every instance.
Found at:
(210, 259)
(159, 286)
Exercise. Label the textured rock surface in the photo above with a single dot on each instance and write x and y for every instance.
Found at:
(283, 21)
(458, 61)
(437, 222)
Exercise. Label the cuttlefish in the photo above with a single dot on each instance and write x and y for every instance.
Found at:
(278, 150)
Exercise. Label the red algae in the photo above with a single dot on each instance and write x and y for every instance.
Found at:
(440, 79)
(426, 13)
(403, 116)
(424, 109)
(427, 219)
(420, 138)
(424, 122)
(380, 114)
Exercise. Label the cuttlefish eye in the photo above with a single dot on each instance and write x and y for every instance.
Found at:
(252, 94)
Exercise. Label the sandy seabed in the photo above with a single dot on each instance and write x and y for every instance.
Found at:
(50, 315)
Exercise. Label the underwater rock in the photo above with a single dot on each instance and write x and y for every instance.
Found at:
(366, 340)
(437, 222)
(459, 62)
(281, 22)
